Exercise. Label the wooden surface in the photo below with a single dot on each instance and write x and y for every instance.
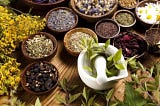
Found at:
(67, 68)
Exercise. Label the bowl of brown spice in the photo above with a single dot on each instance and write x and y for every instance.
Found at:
(38, 47)
(124, 18)
(106, 29)
(39, 77)
(73, 39)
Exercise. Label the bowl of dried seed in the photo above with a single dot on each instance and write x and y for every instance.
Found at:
(128, 4)
(124, 18)
(61, 19)
(94, 10)
(39, 77)
(76, 39)
(38, 47)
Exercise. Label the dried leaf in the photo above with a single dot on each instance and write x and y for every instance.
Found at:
(85, 94)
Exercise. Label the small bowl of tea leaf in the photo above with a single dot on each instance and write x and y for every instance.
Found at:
(39, 46)
(124, 18)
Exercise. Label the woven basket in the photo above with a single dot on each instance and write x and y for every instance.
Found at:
(90, 18)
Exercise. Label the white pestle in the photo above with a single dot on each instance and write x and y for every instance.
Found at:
(100, 66)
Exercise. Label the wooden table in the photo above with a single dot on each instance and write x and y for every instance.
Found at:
(67, 68)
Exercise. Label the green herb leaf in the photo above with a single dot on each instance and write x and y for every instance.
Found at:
(93, 56)
(91, 101)
(117, 56)
(96, 104)
(141, 66)
(119, 66)
(132, 97)
(85, 94)
(74, 97)
(37, 103)
(5, 2)
(110, 58)
(88, 68)
(61, 100)
(109, 94)
(107, 44)
(63, 84)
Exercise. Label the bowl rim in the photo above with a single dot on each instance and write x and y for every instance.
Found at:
(128, 8)
(82, 29)
(126, 11)
(23, 81)
(44, 4)
(72, 3)
(49, 36)
(143, 2)
(110, 20)
(136, 34)
(64, 8)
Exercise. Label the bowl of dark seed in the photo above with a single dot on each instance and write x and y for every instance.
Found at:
(132, 44)
(94, 10)
(39, 46)
(61, 19)
(44, 4)
(128, 4)
(39, 77)
(73, 39)
(106, 29)
(124, 18)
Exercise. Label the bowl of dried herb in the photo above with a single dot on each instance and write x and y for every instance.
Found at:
(76, 38)
(94, 10)
(132, 44)
(124, 18)
(39, 77)
(128, 4)
(39, 46)
(61, 19)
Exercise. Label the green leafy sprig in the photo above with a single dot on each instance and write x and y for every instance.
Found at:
(113, 65)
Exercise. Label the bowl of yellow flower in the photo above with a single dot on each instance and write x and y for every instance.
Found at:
(148, 12)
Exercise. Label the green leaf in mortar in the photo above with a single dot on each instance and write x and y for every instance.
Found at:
(117, 56)
(119, 66)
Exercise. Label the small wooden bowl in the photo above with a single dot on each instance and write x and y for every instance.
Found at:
(90, 18)
(28, 68)
(125, 37)
(143, 4)
(46, 58)
(124, 11)
(104, 38)
(69, 34)
(44, 6)
(61, 31)
(128, 8)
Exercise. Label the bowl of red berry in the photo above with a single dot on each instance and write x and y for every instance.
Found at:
(132, 44)
(39, 77)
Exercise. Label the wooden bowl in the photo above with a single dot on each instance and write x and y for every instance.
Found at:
(34, 80)
(90, 18)
(102, 35)
(49, 17)
(48, 57)
(127, 19)
(143, 4)
(44, 6)
(132, 44)
(71, 32)
(121, 4)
